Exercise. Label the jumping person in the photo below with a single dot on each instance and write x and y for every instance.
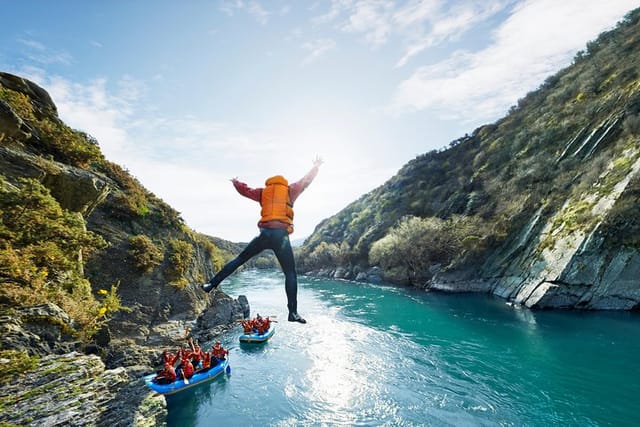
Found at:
(276, 223)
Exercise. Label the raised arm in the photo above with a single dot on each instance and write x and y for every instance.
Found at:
(246, 191)
(299, 186)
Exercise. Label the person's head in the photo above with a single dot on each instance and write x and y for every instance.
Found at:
(276, 179)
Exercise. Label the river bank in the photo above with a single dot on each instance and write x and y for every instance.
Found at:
(65, 382)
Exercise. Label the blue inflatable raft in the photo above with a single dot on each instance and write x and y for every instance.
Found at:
(255, 337)
(179, 385)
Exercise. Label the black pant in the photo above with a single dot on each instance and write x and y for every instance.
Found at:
(277, 240)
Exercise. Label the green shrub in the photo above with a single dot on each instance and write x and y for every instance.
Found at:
(180, 257)
(211, 251)
(146, 255)
(326, 255)
(68, 145)
(415, 244)
(19, 102)
(108, 303)
(52, 136)
(42, 248)
(132, 200)
(36, 227)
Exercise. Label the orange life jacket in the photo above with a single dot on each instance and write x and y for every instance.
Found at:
(187, 368)
(169, 373)
(276, 203)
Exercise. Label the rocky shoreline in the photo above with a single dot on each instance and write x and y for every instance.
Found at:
(369, 275)
(77, 389)
(592, 285)
(67, 386)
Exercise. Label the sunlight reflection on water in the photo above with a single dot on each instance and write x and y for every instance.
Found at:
(380, 356)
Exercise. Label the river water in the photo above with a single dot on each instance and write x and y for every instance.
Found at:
(374, 355)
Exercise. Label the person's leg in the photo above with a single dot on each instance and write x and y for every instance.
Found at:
(257, 245)
(282, 248)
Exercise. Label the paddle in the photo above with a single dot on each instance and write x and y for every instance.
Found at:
(187, 329)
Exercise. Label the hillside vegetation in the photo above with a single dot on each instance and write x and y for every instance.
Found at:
(554, 160)
(78, 230)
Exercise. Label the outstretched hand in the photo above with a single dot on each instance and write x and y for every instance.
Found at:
(318, 161)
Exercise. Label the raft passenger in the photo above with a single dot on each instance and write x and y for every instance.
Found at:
(166, 376)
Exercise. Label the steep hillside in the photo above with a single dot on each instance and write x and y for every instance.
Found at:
(540, 207)
(90, 262)
(79, 231)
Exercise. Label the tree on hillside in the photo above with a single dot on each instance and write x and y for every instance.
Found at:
(415, 244)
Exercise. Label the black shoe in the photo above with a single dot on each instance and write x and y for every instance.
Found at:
(208, 287)
(295, 317)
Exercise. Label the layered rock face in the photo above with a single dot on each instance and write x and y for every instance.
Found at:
(586, 268)
(552, 264)
(37, 330)
(76, 389)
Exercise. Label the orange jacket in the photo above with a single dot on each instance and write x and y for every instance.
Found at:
(206, 360)
(167, 372)
(246, 326)
(218, 351)
(275, 201)
(294, 191)
(187, 368)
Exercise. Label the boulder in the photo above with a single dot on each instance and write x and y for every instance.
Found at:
(223, 314)
(340, 273)
(39, 330)
(224, 310)
(42, 102)
(11, 125)
(76, 190)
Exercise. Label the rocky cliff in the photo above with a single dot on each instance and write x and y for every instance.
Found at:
(551, 263)
(540, 207)
(77, 225)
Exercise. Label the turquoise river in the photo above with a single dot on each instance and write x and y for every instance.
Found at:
(374, 355)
